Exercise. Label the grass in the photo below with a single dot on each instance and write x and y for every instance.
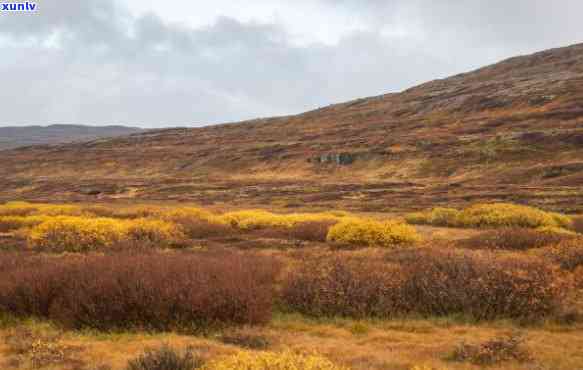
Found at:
(398, 343)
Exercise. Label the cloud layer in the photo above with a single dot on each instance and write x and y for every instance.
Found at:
(152, 65)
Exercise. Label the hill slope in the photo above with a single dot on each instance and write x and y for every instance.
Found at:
(14, 137)
(511, 131)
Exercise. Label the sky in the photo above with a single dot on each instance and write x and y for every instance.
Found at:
(191, 62)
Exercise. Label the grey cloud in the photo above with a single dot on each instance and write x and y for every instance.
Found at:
(110, 67)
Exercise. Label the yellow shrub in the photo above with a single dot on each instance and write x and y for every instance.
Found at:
(26, 209)
(260, 219)
(13, 223)
(17, 209)
(76, 234)
(372, 233)
(437, 217)
(491, 215)
(186, 214)
(556, 230)
(506, 215)
(272, 361)
(59, 210)
(98, 211)
(562, 220)
(152, 231)
(139, 212)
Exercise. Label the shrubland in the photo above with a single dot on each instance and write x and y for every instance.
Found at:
(98, 227)
(139, 291)
(429, 282)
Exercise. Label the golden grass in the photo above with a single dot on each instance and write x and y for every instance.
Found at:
(387, 344)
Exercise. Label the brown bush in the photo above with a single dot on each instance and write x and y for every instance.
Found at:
(514, 239)
(495, 351)
(483, 285)
(568, 254)
(165, 358)
(314, 231)
(195, 228)
(427, 282)
(151, 291)
(578, 224)
(246, 338)
(335, 285)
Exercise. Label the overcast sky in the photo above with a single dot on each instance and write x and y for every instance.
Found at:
(192, 62)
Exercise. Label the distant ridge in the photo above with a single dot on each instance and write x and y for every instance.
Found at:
(511, 131)
(14, 137)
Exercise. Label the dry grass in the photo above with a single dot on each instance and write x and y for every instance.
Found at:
(273, 361)
(494, 351)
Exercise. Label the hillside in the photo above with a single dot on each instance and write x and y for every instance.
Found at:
(512, 131)
(14, 137)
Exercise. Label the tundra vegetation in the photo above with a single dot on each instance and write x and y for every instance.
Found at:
(159, 287)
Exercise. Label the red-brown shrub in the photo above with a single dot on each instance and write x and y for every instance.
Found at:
(514, 239)
(568, 254)
(483, 285)
(315, 231)
(335, 285)
(427, 282)
(578, 224)
(196, 228)
(151, 291)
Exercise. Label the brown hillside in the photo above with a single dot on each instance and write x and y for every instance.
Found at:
(512, 131)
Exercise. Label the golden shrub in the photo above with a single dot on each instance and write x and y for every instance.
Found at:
(59, 210)
(491, 215)
(152, 231)
(372, 233)
(76, 234)
(260, 219)
(562, 220)
(506, 214)
(437, 217)
(555, 230)
(98, 211)
(273, 361)
(141, 211)
(17, 209)
(197, 223)
(13, 223)
(187, 214)
(27, 209)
